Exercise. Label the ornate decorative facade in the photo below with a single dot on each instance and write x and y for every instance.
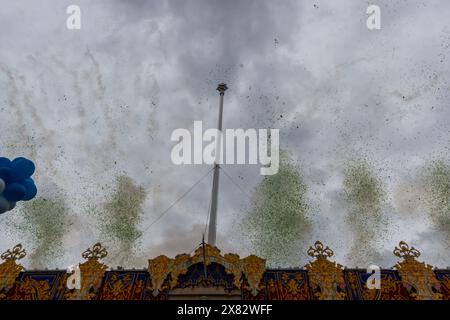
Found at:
(207, 274)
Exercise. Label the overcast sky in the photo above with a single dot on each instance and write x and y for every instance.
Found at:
(89, 104)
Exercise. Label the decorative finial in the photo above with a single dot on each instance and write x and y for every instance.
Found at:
(95, 253)
(222, 88)
(319, 251)
(404, 251)
(16, 253)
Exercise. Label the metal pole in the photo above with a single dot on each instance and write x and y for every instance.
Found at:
(215, 188)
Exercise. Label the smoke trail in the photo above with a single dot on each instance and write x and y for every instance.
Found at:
(364, 194)
(98, 75)
(277, 220)
(78, 92)
(15, 106)
(46, 134)
(36, 119)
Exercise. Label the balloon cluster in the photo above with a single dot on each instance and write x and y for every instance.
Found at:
(15, 182)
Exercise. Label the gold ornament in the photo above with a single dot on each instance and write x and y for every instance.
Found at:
(9, 269)
(92, 272)
(416, 274)
(325, 277)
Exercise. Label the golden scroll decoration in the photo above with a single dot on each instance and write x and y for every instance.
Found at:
(9, 269)
(92, 272)
(415, 274)
(326, 277)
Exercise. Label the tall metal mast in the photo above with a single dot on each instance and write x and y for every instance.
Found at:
(215, 188)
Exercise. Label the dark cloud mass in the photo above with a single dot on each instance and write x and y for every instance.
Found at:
(93, 104)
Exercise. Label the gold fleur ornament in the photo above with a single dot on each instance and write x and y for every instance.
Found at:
(97, 252)
(404, 251)
(16, 253)
(319, 251)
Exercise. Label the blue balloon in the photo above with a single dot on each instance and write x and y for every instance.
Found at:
(23, 168)
(30, 189)
(5, 162)
(7, 174)
(14, 192)
(16, 182)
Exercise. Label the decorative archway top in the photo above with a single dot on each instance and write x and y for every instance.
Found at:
(251, 267)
